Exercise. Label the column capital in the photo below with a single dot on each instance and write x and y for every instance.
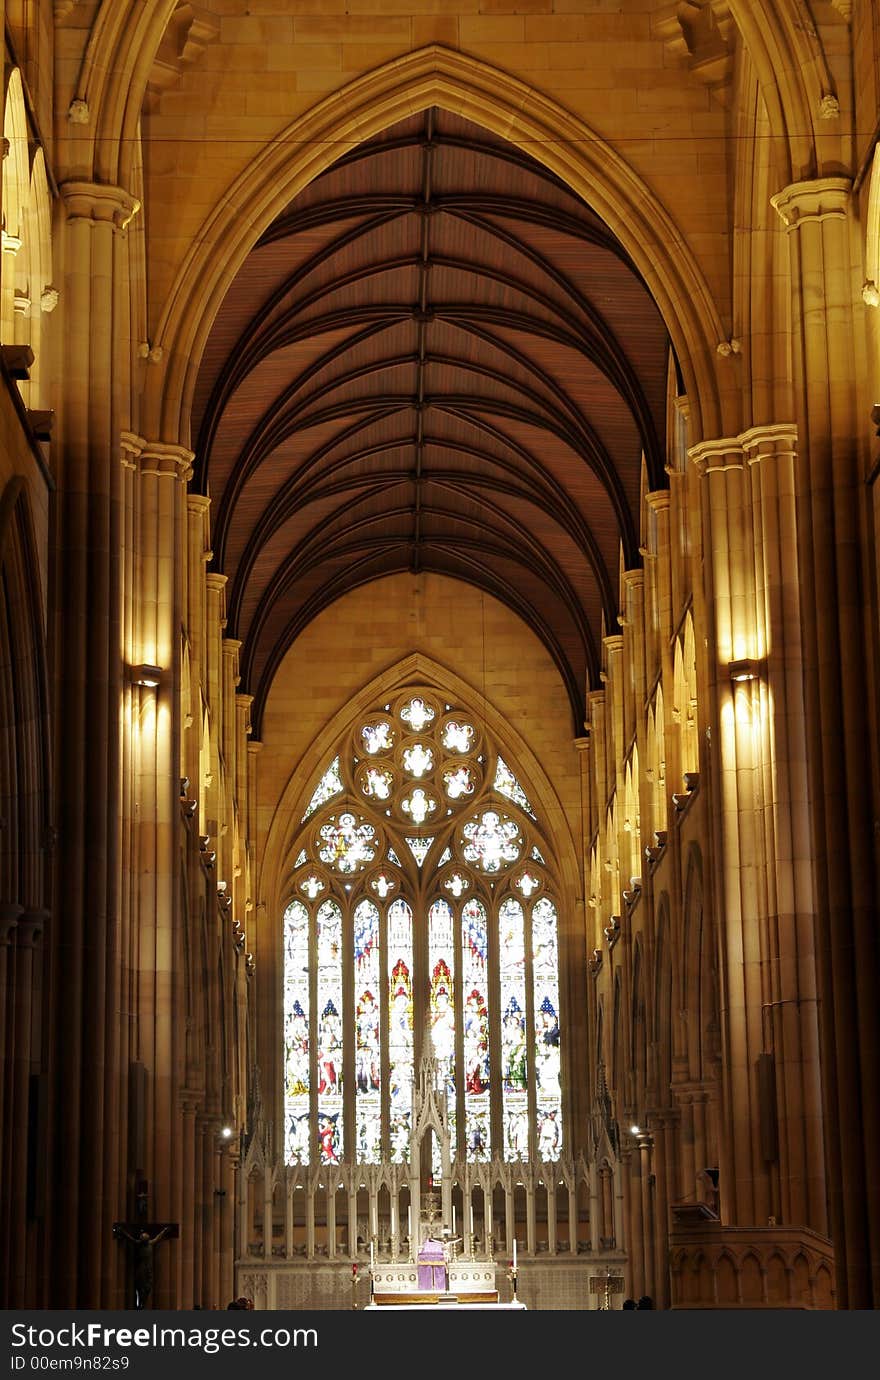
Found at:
(821, 198)
(657, 499)
(99, 203)
(732, 452)
(774, 438)
(29, 931)
(156, 457)
(10, 912)
(710, 457)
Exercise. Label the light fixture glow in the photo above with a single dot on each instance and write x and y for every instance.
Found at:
(743, 670)
(148, 676)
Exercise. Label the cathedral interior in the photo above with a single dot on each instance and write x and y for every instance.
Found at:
(439, 650)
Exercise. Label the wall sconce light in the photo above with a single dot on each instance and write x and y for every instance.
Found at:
(145, 675)
(743, 670)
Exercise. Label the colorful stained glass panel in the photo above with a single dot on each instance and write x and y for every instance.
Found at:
(441, 968)
(368, 1082)
(330, 1040)
(475, 1013)
(296, 1034)
(548, 1068)
(400, 1028)
(514, 1075)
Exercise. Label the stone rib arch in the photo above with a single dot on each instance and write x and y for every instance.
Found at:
(437, 76)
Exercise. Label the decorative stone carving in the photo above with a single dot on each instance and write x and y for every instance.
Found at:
(702, 32)
(188, 32)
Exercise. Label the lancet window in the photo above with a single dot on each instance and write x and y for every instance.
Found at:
(423, 905)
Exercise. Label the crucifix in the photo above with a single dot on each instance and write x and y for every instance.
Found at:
(144, 1237)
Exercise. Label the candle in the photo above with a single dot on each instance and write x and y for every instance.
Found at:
(472, 1220)
(453, 1219)
(514, 1252)
(409, 1221)
(372, 1257)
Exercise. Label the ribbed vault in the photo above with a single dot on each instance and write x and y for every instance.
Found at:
(437, 358)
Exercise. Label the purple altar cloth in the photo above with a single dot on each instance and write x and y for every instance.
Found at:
(432, 1266)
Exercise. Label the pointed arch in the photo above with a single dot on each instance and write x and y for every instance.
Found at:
(414, 668)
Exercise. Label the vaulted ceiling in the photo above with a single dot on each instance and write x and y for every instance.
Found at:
(437, 359)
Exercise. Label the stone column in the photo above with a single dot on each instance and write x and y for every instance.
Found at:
(288, 1219)
(768, 944)
(160, 521)
(9, 915)
(227, 1176)
(87, 1190)
(819, 219)
(646, 1146)
(187, 1208)
(27, 939)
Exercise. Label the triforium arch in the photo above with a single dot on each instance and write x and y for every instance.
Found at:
(437, 76)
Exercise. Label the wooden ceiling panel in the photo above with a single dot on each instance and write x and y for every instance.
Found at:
(437, 358)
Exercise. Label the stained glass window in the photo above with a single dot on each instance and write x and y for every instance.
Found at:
(400, 1028)
(369, 941)
(418, 805)
(377, 782)
(418, 759)
(458, 782)
(296, 1034)
(441, 967)
(329, 785)
(417, 714)
(475, 998)
(383, 885)
(507, 784)
(368, 1079)
(330, 1041)
(457, 883)
(311, 885)
(514, 1080)
(347, 843)
(378, 737)
(548, 1089)
(420, 848)
(457, 737)
(527, 883)
(492, 841)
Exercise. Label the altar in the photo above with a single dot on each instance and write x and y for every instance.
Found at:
(406, 1284)
(431, 1272)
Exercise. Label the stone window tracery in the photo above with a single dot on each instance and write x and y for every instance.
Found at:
(422, 905)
